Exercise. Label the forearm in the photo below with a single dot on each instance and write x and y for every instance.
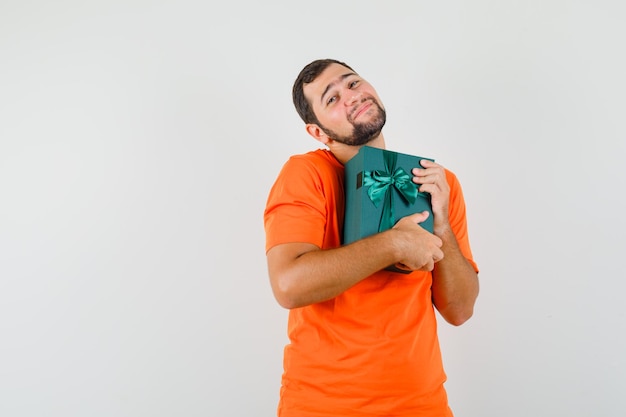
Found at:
(455, 283)
(315, 275)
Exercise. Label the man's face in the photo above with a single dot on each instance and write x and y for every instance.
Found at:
(347, 107)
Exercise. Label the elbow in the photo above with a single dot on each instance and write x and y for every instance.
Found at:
(289, 275)
(459, 319)
(284, 293)
(457, 316)
(285, 301)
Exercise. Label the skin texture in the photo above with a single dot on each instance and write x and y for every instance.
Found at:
(350, 114)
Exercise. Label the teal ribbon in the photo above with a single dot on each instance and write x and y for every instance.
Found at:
(381, 183)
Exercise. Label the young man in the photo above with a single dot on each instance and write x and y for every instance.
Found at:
(363, 340)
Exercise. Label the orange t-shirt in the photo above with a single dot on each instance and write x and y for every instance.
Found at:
(373, 350)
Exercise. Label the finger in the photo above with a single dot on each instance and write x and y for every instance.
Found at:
(400, 265)
(423, 177)
(419, 217)
(427, 163)
(430, 188)
(419, 172)
(429, 266)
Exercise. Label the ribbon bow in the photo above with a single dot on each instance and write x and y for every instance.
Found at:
(381, 183)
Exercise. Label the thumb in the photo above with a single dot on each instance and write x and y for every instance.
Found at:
(419, 217)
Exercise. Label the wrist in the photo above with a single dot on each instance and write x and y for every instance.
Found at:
(442, 229)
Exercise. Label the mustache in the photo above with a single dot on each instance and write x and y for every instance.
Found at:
(360, 103)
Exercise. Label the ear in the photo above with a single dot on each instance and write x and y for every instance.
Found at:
(317, 133)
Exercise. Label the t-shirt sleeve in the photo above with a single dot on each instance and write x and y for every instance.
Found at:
(458, 220)
(296, 209)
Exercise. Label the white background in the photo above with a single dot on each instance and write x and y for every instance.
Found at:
(139, 140)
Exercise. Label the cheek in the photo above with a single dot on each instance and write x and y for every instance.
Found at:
(334, 119)
(339, 114)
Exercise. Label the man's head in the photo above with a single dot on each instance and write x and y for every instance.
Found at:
(337, 104)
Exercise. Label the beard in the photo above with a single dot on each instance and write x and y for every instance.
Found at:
(362, 133)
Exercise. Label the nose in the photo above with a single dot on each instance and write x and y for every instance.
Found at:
(353, 97)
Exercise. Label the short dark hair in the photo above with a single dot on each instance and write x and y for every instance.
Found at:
(308, 74)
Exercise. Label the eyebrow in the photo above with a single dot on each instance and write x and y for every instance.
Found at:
(334, 83)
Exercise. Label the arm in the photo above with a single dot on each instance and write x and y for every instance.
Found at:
(303, 274)
(455, 282)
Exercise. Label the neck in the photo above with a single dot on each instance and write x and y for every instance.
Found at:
(344, 152)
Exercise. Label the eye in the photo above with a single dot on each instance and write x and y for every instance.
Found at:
(331, 100)
(353, 84)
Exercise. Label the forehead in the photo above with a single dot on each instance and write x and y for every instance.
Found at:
(332, 75)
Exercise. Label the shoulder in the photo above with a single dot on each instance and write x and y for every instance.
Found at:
(456, 191)
(451, 177)
(321, 158)
(320, 162)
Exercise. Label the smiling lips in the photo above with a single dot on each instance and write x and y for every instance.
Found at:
(362, 109)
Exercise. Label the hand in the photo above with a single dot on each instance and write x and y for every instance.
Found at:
(419, 250)
(432, 179)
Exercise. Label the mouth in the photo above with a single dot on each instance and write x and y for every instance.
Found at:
(365, 106)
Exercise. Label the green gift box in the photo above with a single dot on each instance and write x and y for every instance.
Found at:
(379, 192)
